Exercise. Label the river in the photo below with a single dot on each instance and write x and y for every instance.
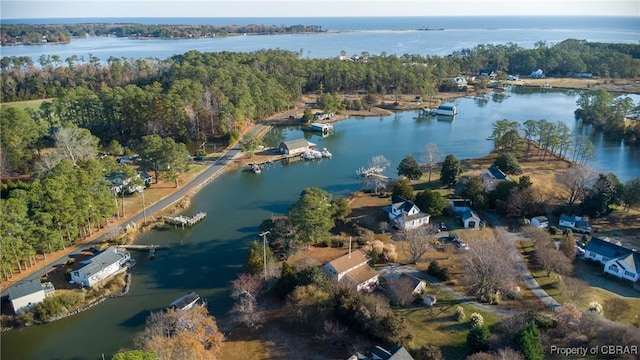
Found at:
(206, 258)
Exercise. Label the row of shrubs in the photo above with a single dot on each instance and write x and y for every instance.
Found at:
(436, 270)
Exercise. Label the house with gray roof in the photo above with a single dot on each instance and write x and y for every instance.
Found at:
(618, 260)
(492, 177)
(25, 295)
(406, 215)
(353, 269)
(296, 147)
(101, 267)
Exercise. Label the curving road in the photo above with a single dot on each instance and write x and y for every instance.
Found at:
(215, 169)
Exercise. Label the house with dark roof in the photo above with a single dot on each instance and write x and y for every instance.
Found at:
(618, 260)
(25, 295)
(101, 267)
(380, 353)
(492, 177)
(353, 269)
(575, 223)
(406, 215)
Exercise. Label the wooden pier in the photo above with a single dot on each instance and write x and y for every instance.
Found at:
(184, 220)
(144, 247)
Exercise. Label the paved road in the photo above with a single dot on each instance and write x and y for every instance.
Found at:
(195, 184)
(510, 239)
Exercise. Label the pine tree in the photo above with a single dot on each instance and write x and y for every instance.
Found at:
(528, 338)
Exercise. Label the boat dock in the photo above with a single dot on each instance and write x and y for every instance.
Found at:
(144, 247)
(184, 220)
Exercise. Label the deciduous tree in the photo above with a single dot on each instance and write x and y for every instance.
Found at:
(431, 156)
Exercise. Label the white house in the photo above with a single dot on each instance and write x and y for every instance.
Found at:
(617, 260)
(513, 77)
(100, 267)
(460, 82)
(353, 268)
(576, 223)
(537, 74)
(406, 215)
(25, 295)
(539, 222)
(470, 219)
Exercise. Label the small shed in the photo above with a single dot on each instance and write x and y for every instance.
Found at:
(470, 220)
(25, 295)
(295, 147)
(540, 222)
(417, 285)
(430, 300)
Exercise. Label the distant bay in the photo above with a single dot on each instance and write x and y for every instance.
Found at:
(353, 35)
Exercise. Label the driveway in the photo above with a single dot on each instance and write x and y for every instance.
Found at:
(510, 238)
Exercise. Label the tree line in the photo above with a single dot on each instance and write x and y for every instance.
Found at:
(36, 34)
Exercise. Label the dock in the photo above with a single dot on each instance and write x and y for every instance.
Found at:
(185, 220)
(144, 247)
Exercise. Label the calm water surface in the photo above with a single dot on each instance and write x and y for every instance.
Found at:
(206, 258)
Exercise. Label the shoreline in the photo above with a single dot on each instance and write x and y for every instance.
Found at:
(385, 107)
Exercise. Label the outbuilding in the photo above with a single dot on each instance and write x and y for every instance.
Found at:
(296, 147)
(25, 295)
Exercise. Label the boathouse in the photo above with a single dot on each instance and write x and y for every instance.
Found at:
(25, 295)
(322, 127)
(296, 147)
(446, 110)
(101, 267)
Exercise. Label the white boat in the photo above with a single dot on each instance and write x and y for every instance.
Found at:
(326, 153)
(256, 168)
(311, 154)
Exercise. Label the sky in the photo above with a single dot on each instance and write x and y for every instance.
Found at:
(30, 9)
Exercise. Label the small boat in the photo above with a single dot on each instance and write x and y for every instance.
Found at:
(256, 168)
(326, 153)
(311, 154)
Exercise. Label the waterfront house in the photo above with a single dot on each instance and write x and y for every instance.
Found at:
(487, 73)
(459, 81)
(470, 219)
(25, 295)
(540, 222)
(618, 260)
(446, 110)
(101, 267)
(575, 223)
(353, 269)
(405, 215)
(296, 147)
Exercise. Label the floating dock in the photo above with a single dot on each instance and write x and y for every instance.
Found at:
(185, 220)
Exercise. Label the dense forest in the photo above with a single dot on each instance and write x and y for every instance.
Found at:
(23, 34)
(153, 107)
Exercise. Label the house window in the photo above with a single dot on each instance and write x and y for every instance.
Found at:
(605, 259)
(613, 267)
(629, 274)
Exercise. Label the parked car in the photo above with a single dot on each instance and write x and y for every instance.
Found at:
(442, 226)
(453, 237)
(460, 244)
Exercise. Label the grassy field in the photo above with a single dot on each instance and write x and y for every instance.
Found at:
(28, 104)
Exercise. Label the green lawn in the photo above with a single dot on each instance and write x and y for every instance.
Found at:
(437, 326)
(28, 104)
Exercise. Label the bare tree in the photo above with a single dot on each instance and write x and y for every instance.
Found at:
(418, 242)
(489, 269)
(374, 173)
(551, 259)
(578, 180)
(181, 334)
(244, 291)
(431, 156)
(76, 144)
(575, 289)
(615, 308)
